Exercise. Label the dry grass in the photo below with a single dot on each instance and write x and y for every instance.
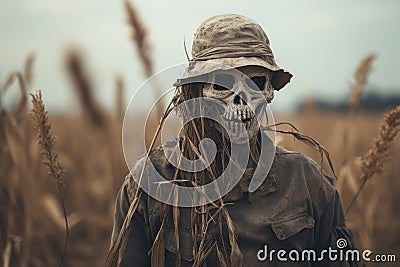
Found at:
(89, 147)
(49, 156)
(373, 162)
(46, 140)
(119, 99)
(360, 80)
(32, 220)
(90, 191)
(84, 88)
(139, 38)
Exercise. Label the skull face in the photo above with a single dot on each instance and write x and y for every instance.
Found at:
(245, 91)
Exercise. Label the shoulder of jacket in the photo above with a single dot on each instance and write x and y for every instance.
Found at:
(300, 160)
(141, 167)
(320, 186)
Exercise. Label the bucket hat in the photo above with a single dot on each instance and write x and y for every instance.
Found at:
(232, 41)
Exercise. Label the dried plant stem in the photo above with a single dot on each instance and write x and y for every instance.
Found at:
(22, 86)
(141, 41)
(356, 87)
(307, 140)
(360, 80)
(119, 99)
(61, 195)
(139, 37)
(49, 155)
(28, 68)
(373, 162)
(84, 88)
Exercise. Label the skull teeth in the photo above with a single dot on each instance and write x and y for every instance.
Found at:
(237, 126)
(239, 114)
(232, 125)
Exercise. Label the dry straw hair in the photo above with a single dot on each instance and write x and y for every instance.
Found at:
(204, 219)
(49, 155)
(373, 162)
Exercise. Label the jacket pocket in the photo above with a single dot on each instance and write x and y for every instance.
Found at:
(185, 243)
(288, 227)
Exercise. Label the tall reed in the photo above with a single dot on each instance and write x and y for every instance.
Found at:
(373, 162)
(49, 155)
(84, 88)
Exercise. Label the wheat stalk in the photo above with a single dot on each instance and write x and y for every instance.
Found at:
(143, 48)
(360, 80)
(361, 75)
(49, 155)
(139, 38)
(84, 88)
(373, 162)
(119, 99)
(28, 68)
(16, 75)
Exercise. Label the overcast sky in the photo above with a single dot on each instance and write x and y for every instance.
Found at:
(320, 42)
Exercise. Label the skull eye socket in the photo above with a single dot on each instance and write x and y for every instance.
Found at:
(256, 83)
(223, 82)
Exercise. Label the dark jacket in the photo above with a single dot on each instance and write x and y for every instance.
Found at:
(296, 208)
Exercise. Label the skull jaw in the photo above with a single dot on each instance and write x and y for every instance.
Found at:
(237, 132)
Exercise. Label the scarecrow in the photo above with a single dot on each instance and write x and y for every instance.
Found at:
(295, 206)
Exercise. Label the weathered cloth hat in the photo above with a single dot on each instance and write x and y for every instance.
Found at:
(232, 41)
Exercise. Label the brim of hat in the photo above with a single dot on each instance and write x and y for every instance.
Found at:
(280, 76)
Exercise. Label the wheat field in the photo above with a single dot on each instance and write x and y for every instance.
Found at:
(32, 222)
